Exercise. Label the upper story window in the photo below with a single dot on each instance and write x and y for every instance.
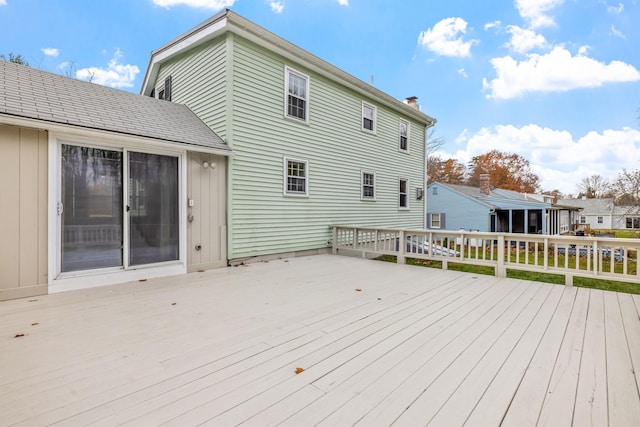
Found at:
(296, 174)
(368, 117)
(434, 191)
(404, 135)
(164, 91)
(583, 220)
(368, 186)
(404, 193)
(296, 95)
(600, 220)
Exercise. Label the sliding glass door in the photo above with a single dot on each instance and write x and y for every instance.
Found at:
(153, 208)
(94, 213)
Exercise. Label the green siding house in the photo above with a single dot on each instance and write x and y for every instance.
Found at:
(313, 145)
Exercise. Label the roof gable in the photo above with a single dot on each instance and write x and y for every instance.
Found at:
(229, 21)
(29, 93)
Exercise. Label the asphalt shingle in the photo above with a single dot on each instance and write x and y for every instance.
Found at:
(35, 94)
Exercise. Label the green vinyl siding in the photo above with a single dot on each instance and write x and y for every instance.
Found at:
(237, 88)
(199, 80)
(263, 219)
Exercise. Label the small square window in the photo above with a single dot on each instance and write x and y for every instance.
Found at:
(296, 177)
(368, 117)
(600, 220)
(583, 220)
(404, 193)
(296, 95)
(404, 135)
(368, 186)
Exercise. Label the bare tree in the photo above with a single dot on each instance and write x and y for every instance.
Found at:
(434, 143)
(627, 187)
(594, 187)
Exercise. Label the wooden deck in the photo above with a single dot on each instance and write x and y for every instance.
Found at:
(377, 343)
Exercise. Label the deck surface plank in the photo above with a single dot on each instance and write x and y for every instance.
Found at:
(379, 343)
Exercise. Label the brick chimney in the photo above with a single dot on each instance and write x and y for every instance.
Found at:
(412, 101)
(485, 184)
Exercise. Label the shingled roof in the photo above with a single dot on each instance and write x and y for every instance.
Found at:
(35, 94)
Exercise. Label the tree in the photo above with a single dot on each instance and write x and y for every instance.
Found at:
(508, 171)
(17, 59)
(449, 171)
(627, 188)
(594, 187)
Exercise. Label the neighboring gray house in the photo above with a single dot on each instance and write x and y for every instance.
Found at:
(605, 214)
(94, 184)
(455, 207)
(314, 146)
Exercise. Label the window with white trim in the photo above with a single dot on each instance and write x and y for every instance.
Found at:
(633, 222)
(296, 97)
(367, 185)
(296, 177)
(404, 135)
(600, 220)
(435, 220)
(583, 220)
(403, 194)
(368, 117)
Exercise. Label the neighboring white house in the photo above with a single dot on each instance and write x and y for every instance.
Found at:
(605, 214)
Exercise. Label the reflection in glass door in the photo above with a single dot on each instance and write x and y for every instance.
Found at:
(153, 208)
(91, 235)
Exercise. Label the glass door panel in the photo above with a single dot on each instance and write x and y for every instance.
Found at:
(92, 221)
(153, 208)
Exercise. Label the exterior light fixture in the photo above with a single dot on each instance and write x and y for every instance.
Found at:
(206, 164)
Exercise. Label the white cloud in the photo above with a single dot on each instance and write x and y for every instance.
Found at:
(616, 9)
(276, 6)
(343, 2)
(490, 25)
(556, 71)
(50, 51)
(523, 40)
(202, 4)
(3, 2)
(115, 75)
(559, 159)
(463, 73)
(535, 11)
(617, 33)
(445, 38)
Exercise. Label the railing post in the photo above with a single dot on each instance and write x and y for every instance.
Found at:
(334, 249)
(402, 247)
(501, 270)
(568, 279)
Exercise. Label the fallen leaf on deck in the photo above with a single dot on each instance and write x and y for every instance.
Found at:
(33, 300)
(299, 370)
(358, 290)
(173, 303)
(19, 335)
(35, 324)
(142, 280)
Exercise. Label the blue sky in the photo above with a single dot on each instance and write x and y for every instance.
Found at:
(556, 81)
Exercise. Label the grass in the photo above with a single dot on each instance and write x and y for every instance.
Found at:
(558, 279)
(620, 234)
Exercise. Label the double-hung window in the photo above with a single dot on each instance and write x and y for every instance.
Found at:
(368, 186)
(403, 193)
(296, 95)
(435, 221)
(296, 177)
(404, 135)
(368, 117)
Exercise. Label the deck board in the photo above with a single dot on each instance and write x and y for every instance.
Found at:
(379, 344)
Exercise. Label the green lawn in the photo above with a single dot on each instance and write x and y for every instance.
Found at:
(558, 279)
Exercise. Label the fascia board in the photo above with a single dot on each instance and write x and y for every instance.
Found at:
(82, 132)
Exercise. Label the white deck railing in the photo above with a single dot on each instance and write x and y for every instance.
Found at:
(601, 258)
